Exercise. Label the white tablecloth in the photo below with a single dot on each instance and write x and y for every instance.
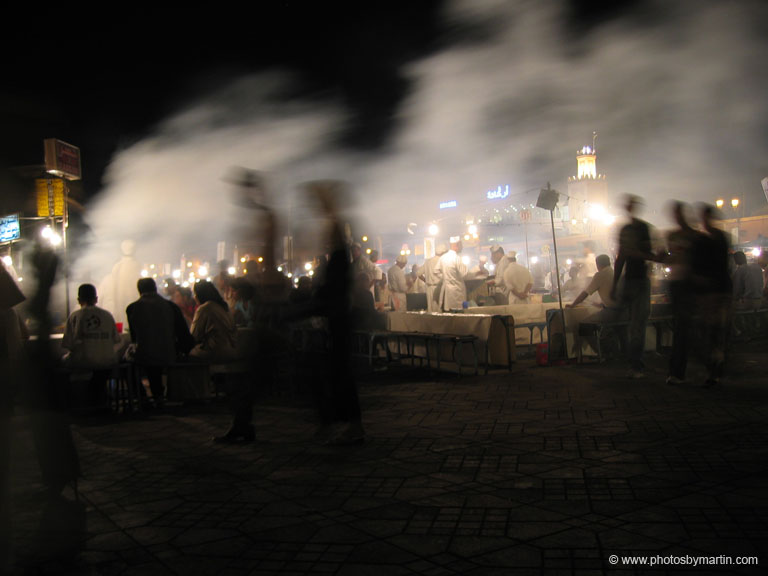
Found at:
(522, 314)
(489, 330)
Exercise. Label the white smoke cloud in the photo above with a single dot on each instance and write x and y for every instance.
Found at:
(678, 99)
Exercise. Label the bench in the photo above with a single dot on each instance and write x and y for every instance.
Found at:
(369, 340)
(457, 341)
(597, 328)
(541, 326)
(373, 338)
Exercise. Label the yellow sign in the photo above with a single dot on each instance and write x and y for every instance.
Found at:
(50, 197)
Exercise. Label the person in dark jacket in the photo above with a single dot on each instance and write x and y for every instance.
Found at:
(159, 334)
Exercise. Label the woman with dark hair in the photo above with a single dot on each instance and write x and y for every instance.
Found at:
(213, 327)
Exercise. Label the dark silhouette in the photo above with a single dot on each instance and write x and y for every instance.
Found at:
(13, 333)
(712, 277)
(61, 533)
(332, 300)
(635, 293)
(159, 334)
(679, 258)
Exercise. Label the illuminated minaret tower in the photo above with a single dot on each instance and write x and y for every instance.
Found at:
(587, 189)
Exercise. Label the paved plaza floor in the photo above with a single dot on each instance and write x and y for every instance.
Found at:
(572, 470)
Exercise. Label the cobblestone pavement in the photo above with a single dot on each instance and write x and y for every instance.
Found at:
(541, 470)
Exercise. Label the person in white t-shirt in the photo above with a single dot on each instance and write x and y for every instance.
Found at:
(602, 283)
(91, 341)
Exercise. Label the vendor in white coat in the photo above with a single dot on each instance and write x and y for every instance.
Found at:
(453, 271)
(398, 285)
(433, 278)
(518, 280)
(500, 262)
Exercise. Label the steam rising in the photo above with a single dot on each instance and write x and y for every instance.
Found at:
(677, 95)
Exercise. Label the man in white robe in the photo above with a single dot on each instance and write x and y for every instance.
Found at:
(398, 285)
(432, 278)
(454, 291)
(500, 261)
(519, 281)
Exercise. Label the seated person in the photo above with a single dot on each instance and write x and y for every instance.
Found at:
(159, 334)
(92, 342)
(575, 284)
(602, 283)
(213, 327)
(243, 310)
(364, 313)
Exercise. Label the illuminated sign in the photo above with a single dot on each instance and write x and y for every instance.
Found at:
(50, 197)
(62, 159)
(9, 228)
(449, 204)
(498, 194)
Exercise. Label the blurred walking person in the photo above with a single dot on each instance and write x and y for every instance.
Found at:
(631, 284)
(12, 335)
(711, 274)
(747, 295)
(679, 258)
(333, 301)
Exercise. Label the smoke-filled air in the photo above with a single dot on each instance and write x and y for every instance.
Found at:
(674, 92)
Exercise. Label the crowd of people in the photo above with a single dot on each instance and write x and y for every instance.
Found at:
(705, 281)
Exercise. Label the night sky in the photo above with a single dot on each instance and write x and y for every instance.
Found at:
(104, 85)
